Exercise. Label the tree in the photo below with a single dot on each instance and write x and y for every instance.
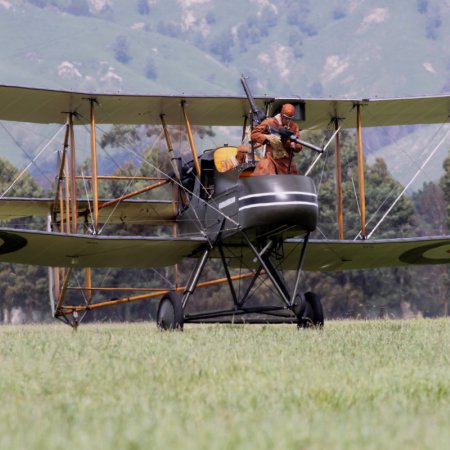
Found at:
(444, 183)
(434, 22)
(78, 8)
(422, 6)
(221, 46)
(359, 292)
(150, 69)
(21, 286)
(296, 43)
(339, 13)
(121, 48)
(171, 29)
(431, 208)
(143, 7)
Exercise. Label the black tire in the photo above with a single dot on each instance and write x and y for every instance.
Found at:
(312, 313)
(170, 314)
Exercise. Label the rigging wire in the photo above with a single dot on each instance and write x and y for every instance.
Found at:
(372, 217)
(126, 189)
(17, 143)
(413, 163)
(324, 150)
(401, 148)
(32, 162)
(409, 184)
(172, 179)
(142, 159)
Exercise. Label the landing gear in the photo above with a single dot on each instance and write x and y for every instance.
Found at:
(310, 312)
(305, 310)
(170, 314)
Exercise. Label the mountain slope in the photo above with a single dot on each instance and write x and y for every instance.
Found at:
(287, 47)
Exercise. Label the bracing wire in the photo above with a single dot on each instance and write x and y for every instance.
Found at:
(173, 180)
(32, 162)
(311, 167)
(17, 143)
(125, 190)
(144, 160)
(409, 184)
(413, 163)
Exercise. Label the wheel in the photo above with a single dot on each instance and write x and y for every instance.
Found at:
(311, 315)
(170, 314)
(299, 305)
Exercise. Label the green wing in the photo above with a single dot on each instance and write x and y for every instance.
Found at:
(54, 249)
(331, 256)
(127, 211)
(326, 256)
(66, 250)
(24, 104)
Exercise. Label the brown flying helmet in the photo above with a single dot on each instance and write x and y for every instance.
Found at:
(288, 111)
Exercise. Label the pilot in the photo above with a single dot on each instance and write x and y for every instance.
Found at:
(242, 153)
(278, 158)
(233, 161)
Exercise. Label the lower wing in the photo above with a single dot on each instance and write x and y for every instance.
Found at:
(70, 250)
(67, 250)
(327, 256)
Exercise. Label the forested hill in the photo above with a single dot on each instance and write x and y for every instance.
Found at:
(289, 47)
(306, 48)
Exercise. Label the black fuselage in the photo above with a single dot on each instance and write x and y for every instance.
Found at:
(232, 201)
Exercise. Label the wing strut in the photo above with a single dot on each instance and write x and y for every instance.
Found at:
(73, 175)
(94, 167)
(362, 198)
(340, 207)
(191, 138)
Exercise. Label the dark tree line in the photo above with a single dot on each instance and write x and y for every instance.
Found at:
(397, 292)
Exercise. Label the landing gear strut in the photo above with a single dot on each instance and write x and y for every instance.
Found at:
(305, 310)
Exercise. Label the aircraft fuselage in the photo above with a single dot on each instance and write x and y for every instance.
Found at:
(227, 203)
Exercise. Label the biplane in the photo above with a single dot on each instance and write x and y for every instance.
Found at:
(260, 223)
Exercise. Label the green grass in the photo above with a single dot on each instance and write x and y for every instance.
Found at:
(380, 384)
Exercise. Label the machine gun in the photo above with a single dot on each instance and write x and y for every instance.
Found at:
(288, 135)
(258, 116)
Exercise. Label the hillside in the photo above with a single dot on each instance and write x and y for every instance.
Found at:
(288, 47)
(291, 47)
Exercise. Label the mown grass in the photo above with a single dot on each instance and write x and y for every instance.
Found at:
(380, 384)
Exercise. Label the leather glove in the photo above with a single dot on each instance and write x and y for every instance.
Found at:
(274, 139)
(276, 143)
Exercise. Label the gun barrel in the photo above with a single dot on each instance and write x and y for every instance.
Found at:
(307, 144)
(258, 115)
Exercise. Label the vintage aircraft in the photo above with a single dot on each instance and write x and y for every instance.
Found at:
(262, 224)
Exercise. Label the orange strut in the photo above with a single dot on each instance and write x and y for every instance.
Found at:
(71, 309)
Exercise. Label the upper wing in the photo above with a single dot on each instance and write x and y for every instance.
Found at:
(374, 112)
(65, 250)
(49, 106)
(127, 211)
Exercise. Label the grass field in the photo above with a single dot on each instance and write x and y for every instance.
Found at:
(371, 385)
